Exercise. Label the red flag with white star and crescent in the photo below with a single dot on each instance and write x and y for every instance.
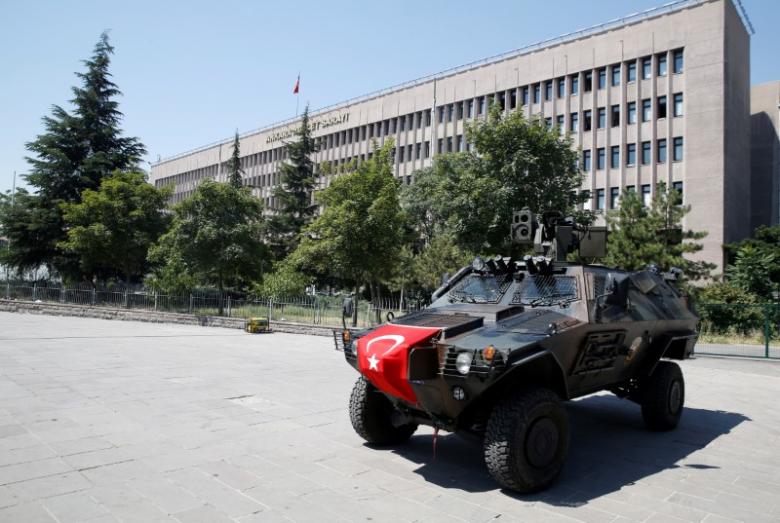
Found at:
(297, 85)
(383, 357)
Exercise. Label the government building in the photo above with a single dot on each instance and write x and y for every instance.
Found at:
(659, 96)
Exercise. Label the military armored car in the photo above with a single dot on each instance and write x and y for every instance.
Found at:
(505, 342)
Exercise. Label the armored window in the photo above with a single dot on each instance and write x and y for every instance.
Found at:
(539, 290)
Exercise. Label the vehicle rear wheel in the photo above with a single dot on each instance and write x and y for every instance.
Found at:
(371, 414)
(663, 397)
(527, 440)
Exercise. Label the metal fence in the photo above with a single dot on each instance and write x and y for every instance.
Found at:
(739, 329)
(314, 310)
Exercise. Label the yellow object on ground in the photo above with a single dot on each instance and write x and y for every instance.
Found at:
(255, 325)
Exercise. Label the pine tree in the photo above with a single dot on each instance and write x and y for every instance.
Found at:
(234, 165)
(76, 150)
(293, 195)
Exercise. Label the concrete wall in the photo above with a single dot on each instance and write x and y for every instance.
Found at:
(765, 154)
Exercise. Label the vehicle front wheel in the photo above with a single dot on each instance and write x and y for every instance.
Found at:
(371, 414)
(663, 397)
(527, 440)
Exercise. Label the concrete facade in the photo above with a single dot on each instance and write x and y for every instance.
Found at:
(765, 153)
(663, 96)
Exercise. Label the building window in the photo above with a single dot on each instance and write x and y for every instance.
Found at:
(647, 107)
(646, 153)
(677, 152)
(599, 199)
(449, 144)
(615, 115)
(587, 81)
(524, 95)
(614, 196)
(678, 104)
(614, 161)
(678, 186)
(660, 155)
(513, 98)
(600, 158)
(662, 64)
(646, 198)
(460, 143)
(459, 110)
(647, 68)
(548, 122)
(441, 114)
(501, 100)
(427, 149)
(602, 77)
(630, 188)
(631, 154)
(677, 66)
(587, 120)
(548, 90)
(402, 122)
(450, 112)
(561, 87)
(574, 121)
(537, 93)
(440, 145)
(417, 151)
(616, 75)
(482, 105)
(559, 123)
(602, 117)
(631, 112)
(470, 109)
(409, 149)
(661, 109)
(586, 200)
(631, 72)
(427, 118)
(575, 84)
(586, 160)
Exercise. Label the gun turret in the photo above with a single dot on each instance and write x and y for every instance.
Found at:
(554, 235)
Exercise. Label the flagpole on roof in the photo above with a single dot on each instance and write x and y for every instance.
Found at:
(297, 94)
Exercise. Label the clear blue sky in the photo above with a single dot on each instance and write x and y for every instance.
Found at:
(192, 72)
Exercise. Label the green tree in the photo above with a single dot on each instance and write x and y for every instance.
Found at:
(753, 269)
(726, 308)
(285, 280)
(516, 163)
(76, 150)
(234, 165)
(764, 243)
(361, 229)
(294, 194)
(641, 235)
(215, 239)
(441, 256)
(111, 228)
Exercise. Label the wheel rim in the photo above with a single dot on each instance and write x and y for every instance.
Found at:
(541, 444)
(675, 397)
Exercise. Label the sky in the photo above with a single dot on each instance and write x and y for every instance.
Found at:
(194, 72)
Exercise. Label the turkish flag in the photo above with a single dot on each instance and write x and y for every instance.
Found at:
(297, 85)
(383, 357)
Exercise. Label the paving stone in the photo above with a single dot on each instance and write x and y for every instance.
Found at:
(145, 422)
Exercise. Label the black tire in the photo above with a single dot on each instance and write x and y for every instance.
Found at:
(527, 440)
(371, 415)
(663, 397)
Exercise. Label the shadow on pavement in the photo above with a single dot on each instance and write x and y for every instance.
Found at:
(610, 448)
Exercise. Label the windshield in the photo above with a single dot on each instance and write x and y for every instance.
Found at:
(478, 288)
(536, 290)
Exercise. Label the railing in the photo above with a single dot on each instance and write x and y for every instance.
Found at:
(314, 310)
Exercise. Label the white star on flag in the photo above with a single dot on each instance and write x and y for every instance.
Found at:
(372, 361)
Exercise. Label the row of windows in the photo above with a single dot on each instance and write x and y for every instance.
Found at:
(630, 153)
(661, 111)
(572, 81)
(599, 201)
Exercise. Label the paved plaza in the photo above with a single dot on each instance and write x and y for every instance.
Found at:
(122, 421)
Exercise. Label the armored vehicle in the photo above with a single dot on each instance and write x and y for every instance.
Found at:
(505, 342)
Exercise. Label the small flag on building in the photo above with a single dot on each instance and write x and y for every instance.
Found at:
(297, 85)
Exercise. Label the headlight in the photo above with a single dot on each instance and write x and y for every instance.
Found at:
(353, 347)
(463, 362)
